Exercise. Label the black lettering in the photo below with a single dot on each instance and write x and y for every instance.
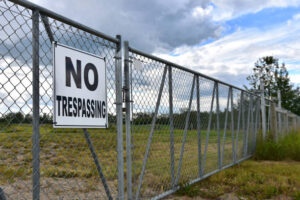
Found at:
(70, 70)
(87, 68)
(103, 109)
(83, 108)
(96, 110)
(64, 109)
(79, 106)
(75, 107)
(99, 109)
(92, 108)
(58, 98)
(69, 106)
(88, 112)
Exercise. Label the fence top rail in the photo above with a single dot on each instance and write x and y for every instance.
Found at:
(63, 19)
(186, 69)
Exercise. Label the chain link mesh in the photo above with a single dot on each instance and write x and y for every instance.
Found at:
(66, 166)
(201, 142)
(227, 137)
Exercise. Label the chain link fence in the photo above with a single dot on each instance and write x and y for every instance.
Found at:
(66, 166)
(185, 126)
(180, 126)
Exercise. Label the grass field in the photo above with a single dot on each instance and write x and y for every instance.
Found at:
(68, 168)
(273, 173)
(249, 180)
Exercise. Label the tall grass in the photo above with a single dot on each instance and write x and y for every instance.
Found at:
(287, 148)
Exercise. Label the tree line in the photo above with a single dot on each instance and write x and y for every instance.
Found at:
(275, 77)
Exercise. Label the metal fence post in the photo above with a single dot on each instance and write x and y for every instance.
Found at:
(244, 126)
(232, 123)
(279, 114)
(257, 111)
(263, 108)
(273, 122)
(47, 27)
(97, 163)
(238, 125)
(248, 127)
(127, 121)
(187, 119)
(252, 121)
(120, 160)
(171, 126)
(198, 125)
(218, 125)
(35, 107)
(151, 134)
(286, 122)
(294, 123)
(208, 128)
(269, 115)
(225, 126)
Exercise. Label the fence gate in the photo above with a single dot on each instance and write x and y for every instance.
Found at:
(37, 161)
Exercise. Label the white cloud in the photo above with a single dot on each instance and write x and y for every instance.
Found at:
(296, 17)
(232, 57)
(148, 25)
(229, 9)
(295, 78)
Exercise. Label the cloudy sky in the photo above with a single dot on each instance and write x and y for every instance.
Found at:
(220, 38)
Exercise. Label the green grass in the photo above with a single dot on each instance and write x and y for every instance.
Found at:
(274, 171)
(64, 153)
(287, 148)
(251, 179)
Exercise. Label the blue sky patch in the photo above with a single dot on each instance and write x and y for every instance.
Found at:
(264, 19)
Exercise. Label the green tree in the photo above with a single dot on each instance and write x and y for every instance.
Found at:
(275, 77)
(264, 69)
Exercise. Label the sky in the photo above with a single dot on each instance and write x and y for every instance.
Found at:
(219, 38)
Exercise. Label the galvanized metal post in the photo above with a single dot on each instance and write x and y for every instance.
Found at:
(279, 113)
(232, 123)
(256, 123)
(171, 126)
(225, 127)
(97, 163)
(208, 129)
(187, 119)
(259, 127)
(286, 123)
(238, 125)
(198, 125)
(120, 160)
(251, 124)
(248, 127)
(273, 122)
(47, 27)
(218, 125)
(244, 127)
(127, 121)
(151, 135)
(295, 122)
(2, 196)
(263, 108)
(269, 115)
(35, 107)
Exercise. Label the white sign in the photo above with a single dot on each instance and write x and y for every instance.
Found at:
(80, 99)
